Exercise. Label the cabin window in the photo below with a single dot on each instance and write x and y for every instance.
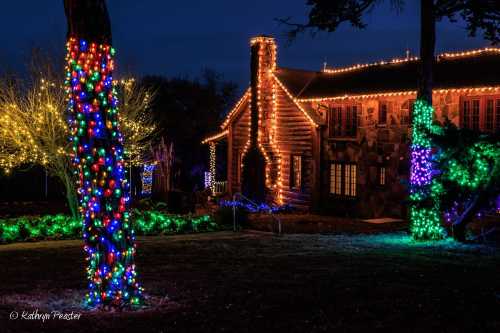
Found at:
(296, 172)
(238, 167)
(351, 126)
(381, 176)
(343, 121)
(497, 115)
(475, 114)
(407, 112)
(343, 179)
(480, 114)
(382, 113)
(336, 178)
(489, 115)
(335, 121)
(466, 114)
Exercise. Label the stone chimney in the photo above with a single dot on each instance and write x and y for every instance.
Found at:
(263, 63)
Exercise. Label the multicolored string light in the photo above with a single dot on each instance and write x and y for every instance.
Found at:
(103, 190)
(147, 178)
(425, 213)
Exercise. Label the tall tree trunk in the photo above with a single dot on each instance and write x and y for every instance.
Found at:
(97, 156)
(427, 49)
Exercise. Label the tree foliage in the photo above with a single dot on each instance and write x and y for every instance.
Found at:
(469, 174)
(327, 15)
(186, 111)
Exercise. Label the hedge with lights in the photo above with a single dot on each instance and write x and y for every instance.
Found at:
(51, 227)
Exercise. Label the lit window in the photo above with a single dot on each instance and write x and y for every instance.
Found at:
(296, 172)
(343, 179)
(350, 180)
(336, 178)
(381, 176)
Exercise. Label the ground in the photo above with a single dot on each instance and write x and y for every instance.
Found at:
(258, 282)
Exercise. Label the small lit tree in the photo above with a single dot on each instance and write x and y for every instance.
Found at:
(136, 120)
(34, 131)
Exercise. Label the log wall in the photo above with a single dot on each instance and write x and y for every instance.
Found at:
(295, 137)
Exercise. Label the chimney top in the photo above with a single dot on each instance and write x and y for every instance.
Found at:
(262, 39)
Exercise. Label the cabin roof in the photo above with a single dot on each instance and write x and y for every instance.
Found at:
(471, 70)
(467, 69)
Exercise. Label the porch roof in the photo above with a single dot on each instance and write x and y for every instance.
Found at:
(215, 137)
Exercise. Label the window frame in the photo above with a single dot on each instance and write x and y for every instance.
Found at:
(343, 120)
(476, 114)
(239, 163)
(407, 119)
(382, 175)
(344, 179)
(480, 113)
(382, 105)
(497, 114)
(489, 117)
(293, 172)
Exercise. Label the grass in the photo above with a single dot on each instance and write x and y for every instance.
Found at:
(256, 282)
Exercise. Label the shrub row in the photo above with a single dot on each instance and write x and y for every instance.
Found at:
(31, 228)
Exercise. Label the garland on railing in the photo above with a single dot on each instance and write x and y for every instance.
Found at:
(259, 208)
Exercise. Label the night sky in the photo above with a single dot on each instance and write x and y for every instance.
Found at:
(180, 38)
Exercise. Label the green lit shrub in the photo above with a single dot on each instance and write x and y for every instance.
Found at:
(64, 227)
(156, 222)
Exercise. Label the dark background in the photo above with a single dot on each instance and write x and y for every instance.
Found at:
(176, 41)
(180, 38)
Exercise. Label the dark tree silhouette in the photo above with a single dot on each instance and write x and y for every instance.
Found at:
(187, 111)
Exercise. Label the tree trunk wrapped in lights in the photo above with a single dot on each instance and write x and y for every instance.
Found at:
(98, 157)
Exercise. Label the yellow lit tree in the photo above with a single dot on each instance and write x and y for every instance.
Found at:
(34, 131)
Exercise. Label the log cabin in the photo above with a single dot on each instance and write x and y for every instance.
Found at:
(337, 140)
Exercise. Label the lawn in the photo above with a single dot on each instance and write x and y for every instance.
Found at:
(257, 282)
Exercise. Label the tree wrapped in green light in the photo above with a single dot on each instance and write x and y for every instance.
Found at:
(425, 216)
